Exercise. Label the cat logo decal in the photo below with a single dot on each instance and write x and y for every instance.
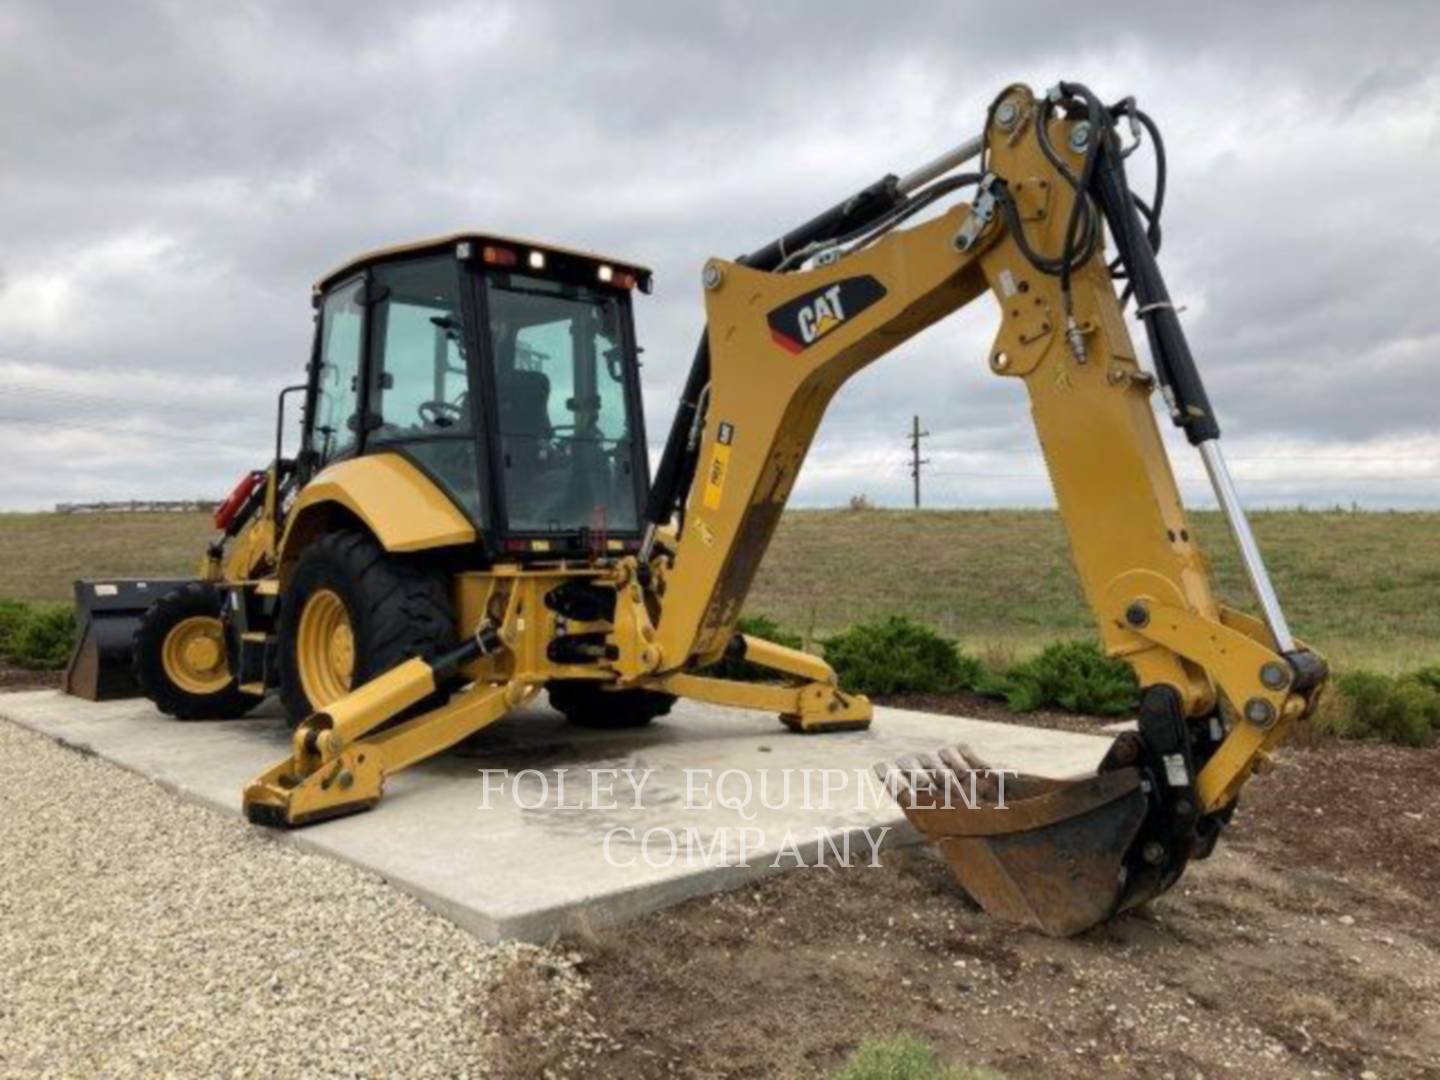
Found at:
(797, 325)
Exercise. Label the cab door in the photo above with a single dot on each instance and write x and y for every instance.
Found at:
(332, 418)
(418, 385)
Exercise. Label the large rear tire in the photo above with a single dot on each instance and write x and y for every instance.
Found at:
(180, 657)
(351, 612)
(585, 704)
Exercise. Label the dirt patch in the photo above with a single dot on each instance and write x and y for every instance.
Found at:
(14, 679)
(1306, 946)
(980, 707)
(1366, 816)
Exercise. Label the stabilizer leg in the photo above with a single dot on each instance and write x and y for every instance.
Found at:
(813, 703)
(338, 767)
(810, 708)
(351, 778)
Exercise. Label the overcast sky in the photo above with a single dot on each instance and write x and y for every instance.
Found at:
(174, 175)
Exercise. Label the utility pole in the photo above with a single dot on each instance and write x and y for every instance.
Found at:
(915, 459)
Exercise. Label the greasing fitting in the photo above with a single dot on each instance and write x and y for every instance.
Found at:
(1076, 338)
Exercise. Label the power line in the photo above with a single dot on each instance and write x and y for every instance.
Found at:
(1035, 451)
(94, 402)
(159, 434)
(1198, 477)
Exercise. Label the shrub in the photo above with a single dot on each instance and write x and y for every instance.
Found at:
(861, 502)
(13, 615)
(1368, 705)
(761, 626)
(903, 1057)
(1429, 676)
(1075, 676)
(895, 655)
(43, 640)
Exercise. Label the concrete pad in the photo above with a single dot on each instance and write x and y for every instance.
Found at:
(533, 850)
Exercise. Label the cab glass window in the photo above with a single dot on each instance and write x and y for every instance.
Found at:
(334, 427)
(566, 427)
(419, 393)
(419, 383)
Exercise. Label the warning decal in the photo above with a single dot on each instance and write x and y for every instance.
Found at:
(719, 466)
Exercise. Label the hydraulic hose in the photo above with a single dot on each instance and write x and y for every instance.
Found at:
(1174, 364)
(678, 460)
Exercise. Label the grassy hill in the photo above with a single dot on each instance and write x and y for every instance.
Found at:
(1362, 587)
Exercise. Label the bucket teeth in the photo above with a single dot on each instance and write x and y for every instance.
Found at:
(1048, 854)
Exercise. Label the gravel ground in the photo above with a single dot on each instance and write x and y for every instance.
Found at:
(142, 935)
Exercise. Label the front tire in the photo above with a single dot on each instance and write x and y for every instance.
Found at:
(351, 612)
(585, 704)
(180, 657)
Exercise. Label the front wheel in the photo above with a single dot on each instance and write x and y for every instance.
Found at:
(181, 660)
(352, 612)
(587, 705)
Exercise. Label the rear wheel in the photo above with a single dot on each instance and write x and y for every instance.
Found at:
(587, 705)
(180, 656)
(352, 612)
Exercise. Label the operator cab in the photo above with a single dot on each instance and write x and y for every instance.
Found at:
(505, 371)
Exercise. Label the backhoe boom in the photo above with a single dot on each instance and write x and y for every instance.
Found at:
(781, 344)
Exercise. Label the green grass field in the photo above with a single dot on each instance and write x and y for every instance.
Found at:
(1362, 587)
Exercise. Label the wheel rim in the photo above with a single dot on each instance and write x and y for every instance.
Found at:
(325, 649)
(194, 655)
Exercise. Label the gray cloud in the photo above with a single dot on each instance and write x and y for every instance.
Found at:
(174, 179)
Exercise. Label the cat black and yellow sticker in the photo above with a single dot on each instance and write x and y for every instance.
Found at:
(799, 323)
(719, 466)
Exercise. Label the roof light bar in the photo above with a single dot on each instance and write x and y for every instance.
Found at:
(499, 256)
(608, 275)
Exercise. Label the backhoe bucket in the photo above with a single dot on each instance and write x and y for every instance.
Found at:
(108, 613)
(1052, 855)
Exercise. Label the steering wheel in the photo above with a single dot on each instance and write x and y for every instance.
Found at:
(441, 414)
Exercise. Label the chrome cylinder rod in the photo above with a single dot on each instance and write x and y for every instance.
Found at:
(951, 159)
(1250, 555)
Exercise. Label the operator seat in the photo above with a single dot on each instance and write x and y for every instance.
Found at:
(525, 434)
(525, 405)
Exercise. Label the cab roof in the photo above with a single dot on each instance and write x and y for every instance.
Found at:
(449, 240)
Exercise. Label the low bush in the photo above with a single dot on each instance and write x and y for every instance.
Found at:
(761, 626)
(903, 1057)
(1075, 676)
(895, 655)
(36, 638)
(1368, 705)
(1429, 676)
(13, 615)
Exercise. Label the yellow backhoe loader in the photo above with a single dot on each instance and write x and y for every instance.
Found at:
(470, 517)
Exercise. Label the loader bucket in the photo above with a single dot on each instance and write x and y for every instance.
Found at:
(107, 613)
(1052, 855)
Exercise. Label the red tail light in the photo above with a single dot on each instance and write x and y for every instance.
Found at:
(226, 511)
(499, 256)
